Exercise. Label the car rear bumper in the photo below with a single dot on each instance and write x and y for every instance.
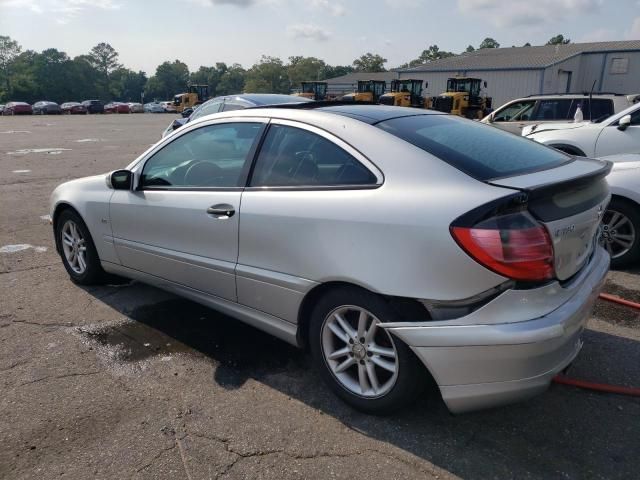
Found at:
(479, 366)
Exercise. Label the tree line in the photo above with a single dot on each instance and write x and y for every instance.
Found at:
(30, 76)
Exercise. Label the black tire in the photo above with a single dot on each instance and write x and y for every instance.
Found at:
(93, 273)
(631, 211)
(411, 374)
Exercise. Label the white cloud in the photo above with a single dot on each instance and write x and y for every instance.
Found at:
(598, 35)
(309, 31)
(334, 8)
(64, 9)
(400, 4)
(509, 13)
(634, 33)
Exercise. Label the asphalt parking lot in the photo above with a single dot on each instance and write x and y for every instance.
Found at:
(126, 381)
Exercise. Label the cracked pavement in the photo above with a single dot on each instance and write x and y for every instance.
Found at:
(126, 381)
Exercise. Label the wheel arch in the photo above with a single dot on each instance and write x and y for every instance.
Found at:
(62, 207)
(407, 308)
(567, 148)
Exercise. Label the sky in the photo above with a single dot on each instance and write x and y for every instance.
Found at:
(203, 32)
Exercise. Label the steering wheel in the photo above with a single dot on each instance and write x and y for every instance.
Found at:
(202, 173)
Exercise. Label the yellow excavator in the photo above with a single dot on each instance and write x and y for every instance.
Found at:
(195, 95)
(313, 90)
(463, 98)
(368, 91)
(406, 93)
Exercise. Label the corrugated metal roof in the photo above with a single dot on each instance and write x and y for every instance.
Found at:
(354, 77)
(521, 57)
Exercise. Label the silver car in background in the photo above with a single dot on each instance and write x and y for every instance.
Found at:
(391, 242)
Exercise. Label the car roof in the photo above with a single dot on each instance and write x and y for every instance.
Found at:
(268, 98)
(322, 112)
(373, 114)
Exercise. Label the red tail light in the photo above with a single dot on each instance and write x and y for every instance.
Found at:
(513, 245)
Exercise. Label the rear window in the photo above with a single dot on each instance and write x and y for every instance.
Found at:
(481, 151)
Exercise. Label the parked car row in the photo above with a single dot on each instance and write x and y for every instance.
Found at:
(46, 107)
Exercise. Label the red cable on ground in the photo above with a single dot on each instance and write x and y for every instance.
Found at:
(621, 301)
(601, 387)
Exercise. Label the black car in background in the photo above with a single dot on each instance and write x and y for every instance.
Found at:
(45, 107)
(233, 102)
(94, 106)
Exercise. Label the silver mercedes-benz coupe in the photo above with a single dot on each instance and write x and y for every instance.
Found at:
(393, 243)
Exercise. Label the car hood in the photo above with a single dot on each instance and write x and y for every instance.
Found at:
(547, 127)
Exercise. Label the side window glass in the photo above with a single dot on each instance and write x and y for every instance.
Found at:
(211, 156)
(294, 157)
(232, 106)
(553, 110)
(213, 107)
(519, 111)
(635, 118)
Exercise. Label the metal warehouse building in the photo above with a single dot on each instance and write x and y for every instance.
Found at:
(520, 71)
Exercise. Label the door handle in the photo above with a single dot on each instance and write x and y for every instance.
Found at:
(221, 211)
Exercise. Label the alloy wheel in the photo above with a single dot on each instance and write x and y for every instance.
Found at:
(74, 247)
(618, 233)
(360, 355)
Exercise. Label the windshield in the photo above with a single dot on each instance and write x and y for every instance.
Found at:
(479, 150)
(464, 85)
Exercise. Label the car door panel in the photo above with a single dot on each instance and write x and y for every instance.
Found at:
(181, 223)
(169, 234)
(613, 141)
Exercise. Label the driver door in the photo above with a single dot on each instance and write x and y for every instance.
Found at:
(181, 221)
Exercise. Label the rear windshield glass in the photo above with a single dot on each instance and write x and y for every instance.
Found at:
(482, 151)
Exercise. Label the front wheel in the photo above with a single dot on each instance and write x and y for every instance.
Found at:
(77, 250)
(361, 362)
(621, 232)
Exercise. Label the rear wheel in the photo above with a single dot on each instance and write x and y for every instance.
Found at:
(621, 232)
(77, 250)
(361, 362)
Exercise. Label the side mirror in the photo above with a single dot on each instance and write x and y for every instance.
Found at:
(120, 180)
(490, 118)
(624, 122)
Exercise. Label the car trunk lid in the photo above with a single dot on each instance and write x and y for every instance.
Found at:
(569, 201)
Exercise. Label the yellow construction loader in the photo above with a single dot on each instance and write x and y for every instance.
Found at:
(313, 90)
(463, 98)
(368, 91)
(406, 93)
(195, 95)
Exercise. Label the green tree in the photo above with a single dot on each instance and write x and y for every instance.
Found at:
(302, 69)
(104, 58)
(170, 79)
(470, 49)
(209, 76)
(128, 85)
(232, 80)
(336, 71)
(9, 51)
(369, 62)
(85, 83)
(526, 44)
(24, 85)
(269, 75)
(558, 40)
(489, 43)
(53, 75)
